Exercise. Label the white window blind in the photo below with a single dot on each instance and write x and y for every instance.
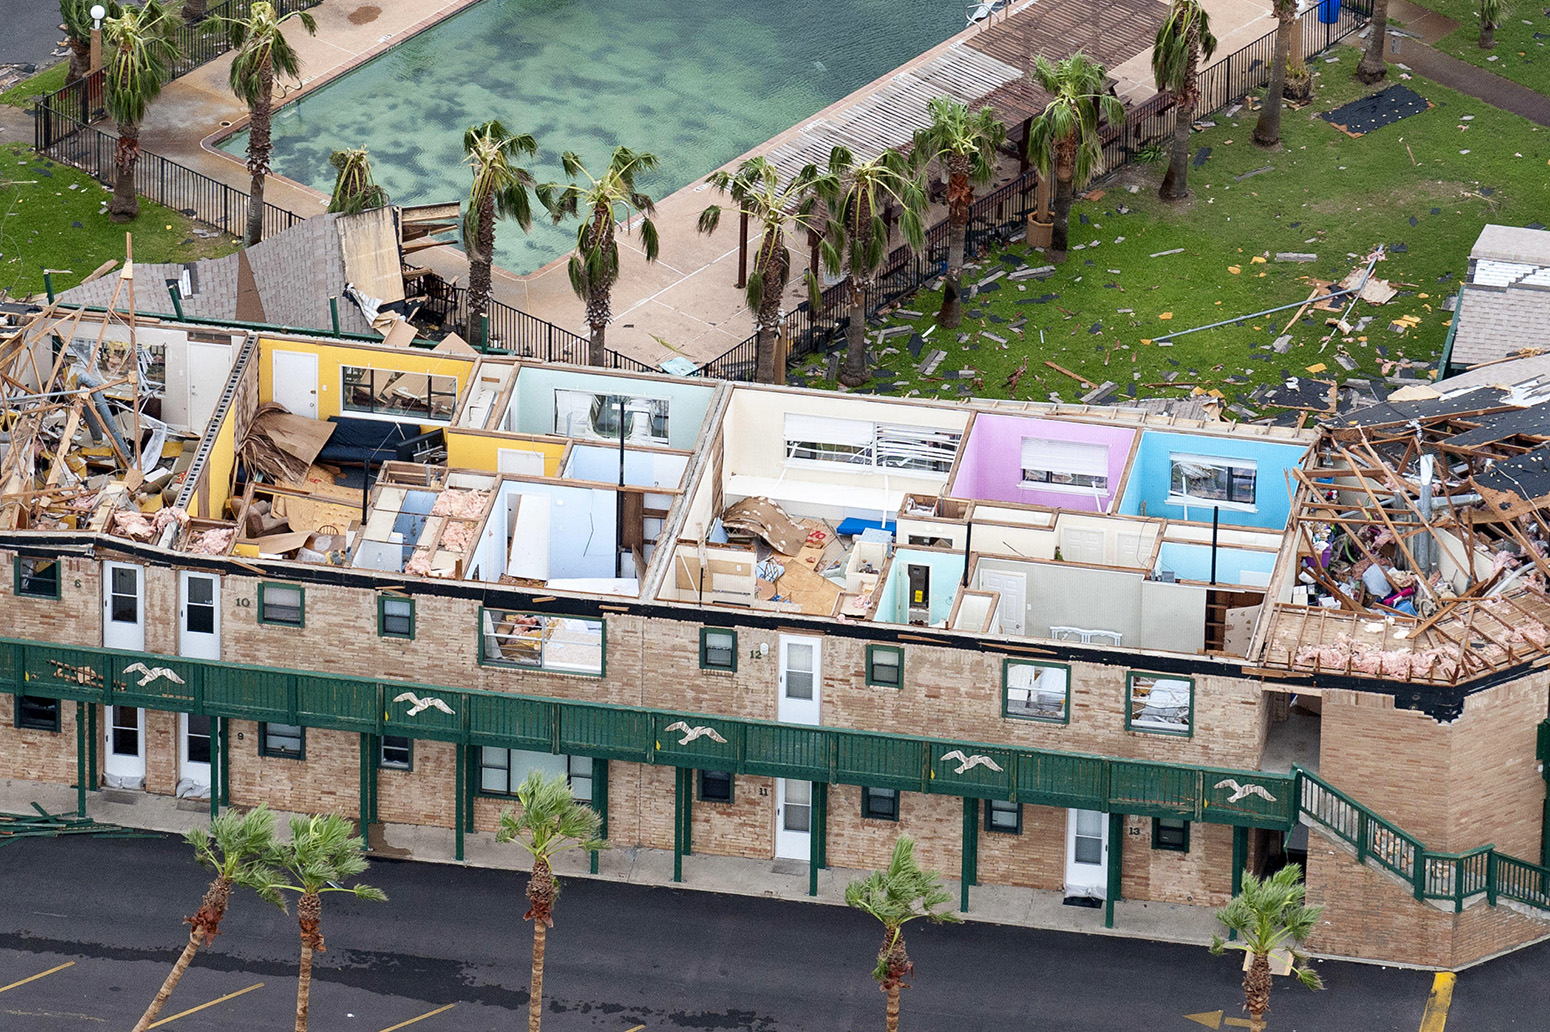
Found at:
(1075, 457)
(917, 448)
(853, 433)
(882, 445)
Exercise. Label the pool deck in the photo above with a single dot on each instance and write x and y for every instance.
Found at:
(687, 298)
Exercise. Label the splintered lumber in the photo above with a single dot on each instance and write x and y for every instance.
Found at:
(1084, 381)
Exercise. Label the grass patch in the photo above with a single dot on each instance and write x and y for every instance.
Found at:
(1324, 193)
(21, 94)
(50, 218)
(1518, 55)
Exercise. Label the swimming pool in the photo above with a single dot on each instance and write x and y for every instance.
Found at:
(697, 82)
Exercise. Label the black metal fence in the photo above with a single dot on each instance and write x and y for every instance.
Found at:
(515, 332)
(207, 39)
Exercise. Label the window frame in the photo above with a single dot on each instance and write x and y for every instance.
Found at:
(382, 746)
(20, 722)
(509, 664)
(382, 616)
(888, 447)
(990, 808)
(1027, 483)
(1151, 729)
(731, 794)
(300, 622)
(1181, 846)
(1006, 710)
(872, 651)
(511, 787)
(265, 750)
(371, 411)
(867, 795)
(705, 664)
(1225, 462)
(17, 577)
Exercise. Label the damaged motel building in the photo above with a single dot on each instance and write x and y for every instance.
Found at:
(1096, 652)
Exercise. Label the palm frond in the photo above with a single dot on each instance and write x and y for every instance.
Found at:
(551, 820)
(901, 893)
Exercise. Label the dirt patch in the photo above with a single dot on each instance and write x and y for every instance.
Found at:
(364, 15)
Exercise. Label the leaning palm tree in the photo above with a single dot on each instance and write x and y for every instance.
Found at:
(355, 190)
(323, 852)
(1491, 14)
(855, 234)
(262, 53)
(1182, 43)
(139, 55)
(605, 201)
(1267, 131)
(896, 897)
(760, 196)
(1372, 67)
(1064, 138)
(965, 145)
(236, 847)
(75, 16)
(1269, 914)
(499, 191)
(551, 822)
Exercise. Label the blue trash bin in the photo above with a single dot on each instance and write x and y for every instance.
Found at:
(1329, 11)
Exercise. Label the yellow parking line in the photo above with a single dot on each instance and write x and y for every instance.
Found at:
(422, 1017)
(202, 1006)
(40, 974)
(1435, 1017)
(637, 1028)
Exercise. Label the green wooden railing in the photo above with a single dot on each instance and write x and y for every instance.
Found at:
(1458, 877)
(373, 706)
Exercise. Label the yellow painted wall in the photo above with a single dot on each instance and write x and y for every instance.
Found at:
(481, 451)
(217, 469)
(331, 356)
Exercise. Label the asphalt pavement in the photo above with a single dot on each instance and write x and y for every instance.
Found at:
(29, 32)
(100, 921)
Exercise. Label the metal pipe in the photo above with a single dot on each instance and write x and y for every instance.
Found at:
(333, 312)
(1254, 315)
(177, 298)
(968, 538)
(619, 501)
(1216, 517)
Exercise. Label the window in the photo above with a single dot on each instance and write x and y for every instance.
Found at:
(534, 641)
(854, 442)
(1170, 833)
(718, 649)
(715, 786)
(197, 741)
(1202, 480)
(388, 392)
(395, 617)
(37, 578)
(1003, 816)
(880, 804)
(283, 604)
(1064, 465)
(501, 771)
(584, 414)
(37, 713)
(1036, 691)
(286, 741)
(1164, 704)
(397, 752)
(885, 666)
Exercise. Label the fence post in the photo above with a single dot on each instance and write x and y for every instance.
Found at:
(1490, 876)
(1420, 872)
(1362, 831)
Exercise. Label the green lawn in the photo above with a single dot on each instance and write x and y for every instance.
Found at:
(1518, 55)
(50, 218)
(46, 81)
(1325, 192)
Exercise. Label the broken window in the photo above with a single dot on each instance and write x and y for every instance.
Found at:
(1064, 464)
(1163, 704)
(880, 804)
(1035, 691)
(388, 392)
(536, 641)
(37, 713)
(397, 752)
(37, 578)
(715, 786)
(584, 414)
(854, 442)
(1198, 480)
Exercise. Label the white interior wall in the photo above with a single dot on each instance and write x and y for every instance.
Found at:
(1173, 617)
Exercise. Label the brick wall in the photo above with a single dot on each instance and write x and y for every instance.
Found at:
(75, 618)
(37, 755)
(327, 781)
(1202, 876)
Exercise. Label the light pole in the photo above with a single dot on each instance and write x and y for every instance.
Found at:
(98, 12)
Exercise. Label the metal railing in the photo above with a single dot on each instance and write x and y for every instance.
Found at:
(515, 332)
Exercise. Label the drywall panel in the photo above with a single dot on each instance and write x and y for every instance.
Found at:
(1173, 617)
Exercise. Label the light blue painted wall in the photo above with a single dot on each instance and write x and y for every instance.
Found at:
(1193, 562)
(534, 400)
(641, 468)
(1149, 477)
(946, 572)
(581, 528)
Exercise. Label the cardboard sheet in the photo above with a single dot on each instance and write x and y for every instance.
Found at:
(764, 519)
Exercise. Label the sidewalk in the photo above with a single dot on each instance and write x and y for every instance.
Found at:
(777, 879)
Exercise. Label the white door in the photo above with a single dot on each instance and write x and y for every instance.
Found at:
(1012, 610)
(124, 759)
(209, 365)
(193, 755)
(1087, 854)
(123, 607)
(801, 676)
(199, 615)
(793, 819)
(296, 382)
(519, 462)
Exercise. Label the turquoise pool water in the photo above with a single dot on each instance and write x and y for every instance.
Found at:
(697, 82)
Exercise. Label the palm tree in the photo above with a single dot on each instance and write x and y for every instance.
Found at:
(1372, 67)
(896, 897)
(855, 234)
(1267, 131)
(194, 10)
(1269, 914)
(323, 852)
(354, 189)
(499, 191)
(966, 146)
(594, 265)
(1064, 138)
(236, 847)
(757, 191)
(76, 18)
(551, 822)
(139, 60)
(262, 53)
(1183, 41)
(1491, 14)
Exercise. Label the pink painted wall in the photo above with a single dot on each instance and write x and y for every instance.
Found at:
(991, 467)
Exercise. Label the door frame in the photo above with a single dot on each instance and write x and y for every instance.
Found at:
(185, 646)
(118, 767)
(188, 769)
(275, 378)
(1093, 885)
(1006, 597)
(135, 639)
(792, 845)
(799, 711)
